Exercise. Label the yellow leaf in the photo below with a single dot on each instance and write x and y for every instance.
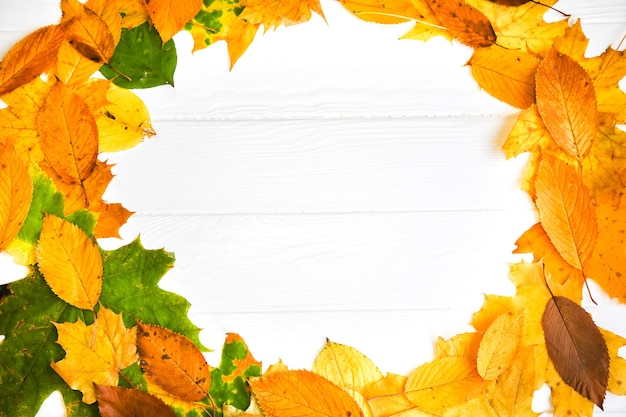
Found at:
(169, 16)
(529, 134)
(566, 211)
(302, 393)
(464, 344)
(95, 353)
(514, 390)
(345, 366)
(70, 262)
(30, 57)
(566, 101)
(506, 74)
(386, 397)
(273, 13)
(124, 122)
(499, 346)
(493, 306)
(389, 11)
(16, 192)
(478, 406)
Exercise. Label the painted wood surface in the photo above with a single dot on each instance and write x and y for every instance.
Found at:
(338, 183)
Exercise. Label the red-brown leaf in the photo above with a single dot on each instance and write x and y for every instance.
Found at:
(468, 25)
(577, 348)
(123, 402)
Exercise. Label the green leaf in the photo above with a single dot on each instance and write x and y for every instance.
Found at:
(130, 285)
(26, 378)
(141, 60)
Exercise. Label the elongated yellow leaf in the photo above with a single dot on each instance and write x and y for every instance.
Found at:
(95, 353)
(498, 346)
(566, 211)
(70, 262)
(16, 193)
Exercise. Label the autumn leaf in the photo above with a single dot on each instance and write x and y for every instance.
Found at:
(70, 262)
(566, 101)
(566, 212)
(463, 344)
(386, 396)
(499, 346)
(94, 353)
(169, 16)
(16, 192)
(577, 348)
(390, 11)
(92, 37)
(506, 74)
(468, 24)
(31, 56)
(173, 362)
(273, 13)
(123, 402)
(515, 388)
(302, 393)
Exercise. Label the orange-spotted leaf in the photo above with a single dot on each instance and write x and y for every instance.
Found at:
(70, 262)
(499, 346)
(576, 348)
(68, 134)
(124, 402)
(466, 23)
(566, 211)
(566, 100)
(173, 362)
(31, 56)
(16, 193)
(302, 393)
(273, 13)
(506, 74)
(169, 16)
(95, 354)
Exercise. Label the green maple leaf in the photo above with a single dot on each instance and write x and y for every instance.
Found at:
(141, 60)
(130, 286)
(26, 378)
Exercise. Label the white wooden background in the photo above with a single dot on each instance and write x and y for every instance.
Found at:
(337, 183)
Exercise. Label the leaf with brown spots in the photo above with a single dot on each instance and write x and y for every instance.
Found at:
(16, 193)
(468, 24)
(123, 402)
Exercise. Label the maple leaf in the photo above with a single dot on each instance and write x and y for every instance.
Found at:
(123, 402)
(301, 393)
(499, 346)
(169, 16)
(273, 13)
(463, 344)
(16, 192)
(95, 353)
(467, 24)
(514, 390)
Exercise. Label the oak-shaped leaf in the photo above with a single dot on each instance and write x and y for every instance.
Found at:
(566, 101)
(95, 353)
(141, 59)
(499, 346)
(124, 402)
(576, 348)
(468, 24)
(169, 16)
(70, 262)
(566, 211)
(302, 393)
(31, 56)
(273, 13)
(173, 362)
(16, 192)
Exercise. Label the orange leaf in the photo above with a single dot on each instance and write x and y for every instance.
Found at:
(566, 211)
(123, 402)
(173, 362)
(70, 262)
(68, 134)
(466, 23)
(169, 16)
(506, 74)
(89, 34)
(577, 348)
(302, 393)
(16, 192)
(388, 11)
(273, 13)
(31, 56)
(566, 101)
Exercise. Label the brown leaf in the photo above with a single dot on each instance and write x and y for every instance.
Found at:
(16, 192)
(169, 16)
(566, 211)
(302, 393)
(31, 56)
(123, 402)
(70, 262)
(173, 362)
(576, 347)
(566, 101)
(468, 25)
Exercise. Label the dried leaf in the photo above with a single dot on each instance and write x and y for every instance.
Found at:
(90, 35)
(273, 13)
(169, 16)
(70, 262)
(123, 402)
(566, 101)
(31, 56)
(345, 366)
(577, 348)
(302, 393)
(16, 193)
(515, 388)
(173, 362)
(499, 346)
(566, 211)
(468, 24)
(389, 11)
(95, 353)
